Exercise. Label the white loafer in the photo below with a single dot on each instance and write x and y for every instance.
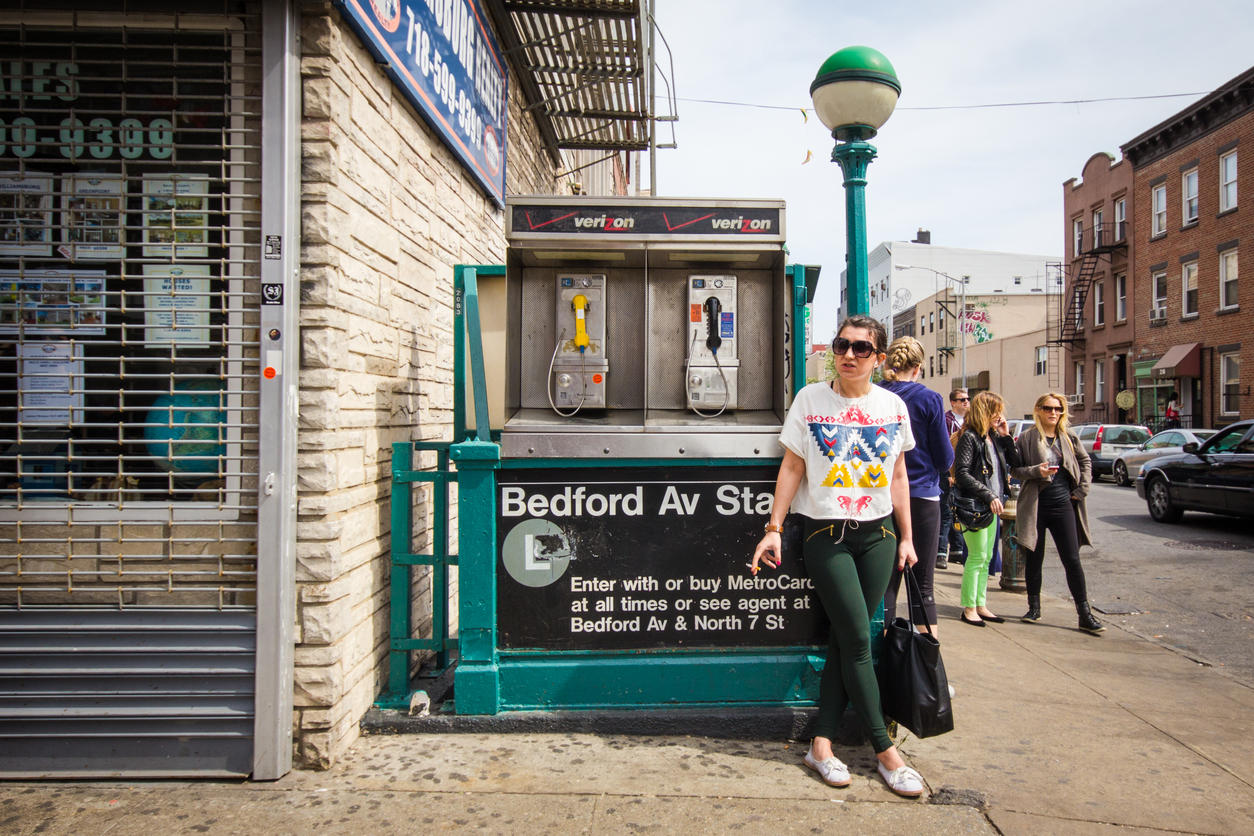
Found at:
(831, 770)
(903, 780)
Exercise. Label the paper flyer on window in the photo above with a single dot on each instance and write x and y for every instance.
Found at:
(50, 382)
(176, 304)
(176, 215)
(26, 214)
(93, 209)
(48, 302)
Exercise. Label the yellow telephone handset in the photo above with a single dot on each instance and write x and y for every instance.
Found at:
(580, 304)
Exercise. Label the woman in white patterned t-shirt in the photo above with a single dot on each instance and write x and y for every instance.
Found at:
(844, 474)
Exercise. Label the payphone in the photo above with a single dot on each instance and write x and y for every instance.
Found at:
(713, 365)
(578, 368)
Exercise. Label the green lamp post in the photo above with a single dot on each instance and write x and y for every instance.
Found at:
(854, 93)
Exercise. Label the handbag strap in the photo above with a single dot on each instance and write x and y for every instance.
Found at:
(914, 595)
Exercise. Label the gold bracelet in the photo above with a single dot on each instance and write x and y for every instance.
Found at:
(778, 529)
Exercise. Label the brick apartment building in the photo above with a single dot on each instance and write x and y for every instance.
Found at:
(1100, 330)
(1185, 314)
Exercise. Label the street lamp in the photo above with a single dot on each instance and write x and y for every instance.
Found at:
(962, 313)
(854, 93)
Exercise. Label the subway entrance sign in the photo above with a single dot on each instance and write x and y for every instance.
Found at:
(645, 558)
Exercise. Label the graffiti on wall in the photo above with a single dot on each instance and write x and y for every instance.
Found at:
(978, 322)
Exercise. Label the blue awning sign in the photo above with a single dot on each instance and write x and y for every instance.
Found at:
(445, 60)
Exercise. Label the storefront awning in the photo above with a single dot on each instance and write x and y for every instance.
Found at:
(1183, 360)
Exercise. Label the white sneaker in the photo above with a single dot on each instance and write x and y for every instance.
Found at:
(831, 770)
(903, 780)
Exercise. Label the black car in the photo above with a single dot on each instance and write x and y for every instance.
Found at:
(1216, 476)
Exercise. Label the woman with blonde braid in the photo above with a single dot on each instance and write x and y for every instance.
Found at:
(982, 461)
(926, 465)
(1055, 473)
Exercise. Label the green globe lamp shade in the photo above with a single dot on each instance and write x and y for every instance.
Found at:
(855, 92)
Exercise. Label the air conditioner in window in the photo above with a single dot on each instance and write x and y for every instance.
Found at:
(1158, 314)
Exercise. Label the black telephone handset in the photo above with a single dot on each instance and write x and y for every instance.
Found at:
(712, 310)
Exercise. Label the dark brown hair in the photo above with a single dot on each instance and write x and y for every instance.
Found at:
(879, 336)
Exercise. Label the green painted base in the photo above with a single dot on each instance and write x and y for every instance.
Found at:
(477, 687)
(647, 680)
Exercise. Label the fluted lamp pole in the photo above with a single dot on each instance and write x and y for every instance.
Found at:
(854, 93)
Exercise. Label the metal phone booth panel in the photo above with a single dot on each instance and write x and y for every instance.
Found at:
(639, 359)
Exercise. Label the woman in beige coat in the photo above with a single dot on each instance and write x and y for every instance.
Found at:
(1055, 478)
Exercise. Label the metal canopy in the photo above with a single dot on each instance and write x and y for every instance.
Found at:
(581, 64)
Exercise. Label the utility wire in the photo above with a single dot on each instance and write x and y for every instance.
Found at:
(968, 107)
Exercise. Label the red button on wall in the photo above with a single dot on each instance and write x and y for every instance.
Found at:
(269, 373)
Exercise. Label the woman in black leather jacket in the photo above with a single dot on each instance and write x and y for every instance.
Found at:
(983, 457)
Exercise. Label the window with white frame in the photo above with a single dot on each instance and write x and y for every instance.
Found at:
(1230, 375)
(1099, 236)
(1158, 283)
(1158, 206)
(1077, 236)
(1099, 381)
(1121, 218)
(1188, 289)
(1079, 381)
(1188, 196)
(931, 319)
(1228, 279)
(1121, 297)
(1228, 181)
(1042, 360)
(1099, 303)
(923, 322)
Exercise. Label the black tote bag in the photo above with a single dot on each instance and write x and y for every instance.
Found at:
(913, 688)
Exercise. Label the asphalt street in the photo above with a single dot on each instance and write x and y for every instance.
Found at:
(1188, 586)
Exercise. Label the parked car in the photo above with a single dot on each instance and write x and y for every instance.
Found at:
(1106, 442)
(1018, 425)
(1128, 465)
(1216, 476)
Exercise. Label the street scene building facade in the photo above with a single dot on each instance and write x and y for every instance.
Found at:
(227, 256)
(1182, 333)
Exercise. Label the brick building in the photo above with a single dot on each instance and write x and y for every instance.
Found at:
(1099, 327)
(1189, 229)
(1179, 322)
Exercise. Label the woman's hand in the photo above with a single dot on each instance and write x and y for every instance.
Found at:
(997, 507)
(905, 554)
(769, 549)
(1001, 426)
(1047, 472)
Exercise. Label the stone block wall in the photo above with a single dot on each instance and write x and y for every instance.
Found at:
(387, 211)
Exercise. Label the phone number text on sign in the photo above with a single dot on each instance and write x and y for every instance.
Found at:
(98, 138)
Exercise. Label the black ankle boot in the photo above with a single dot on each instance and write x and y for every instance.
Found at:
(1034, 609)
(1088, 622)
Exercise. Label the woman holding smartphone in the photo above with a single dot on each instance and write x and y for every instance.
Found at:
(844, 475)
(1055, 477)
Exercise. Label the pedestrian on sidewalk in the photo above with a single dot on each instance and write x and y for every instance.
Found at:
(844, 475)
(983, 457)
(1055, 475)
(927, 464)
(950, 543)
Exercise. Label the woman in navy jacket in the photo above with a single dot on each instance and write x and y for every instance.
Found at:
(926, 465)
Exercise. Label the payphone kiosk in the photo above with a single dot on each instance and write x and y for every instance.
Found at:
(639, 357)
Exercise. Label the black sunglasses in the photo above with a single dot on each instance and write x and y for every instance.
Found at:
(961, 400)
(1058, 409)
(862, 349)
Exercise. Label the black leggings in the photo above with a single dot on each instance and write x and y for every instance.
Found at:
(925, 520)
(849, 564)
(1060, 520)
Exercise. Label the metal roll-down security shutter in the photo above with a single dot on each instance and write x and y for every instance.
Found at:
(129, 296)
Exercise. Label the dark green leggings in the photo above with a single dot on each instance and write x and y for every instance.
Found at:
(850, 574)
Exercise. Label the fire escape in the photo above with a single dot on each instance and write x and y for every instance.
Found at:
(1065, 318)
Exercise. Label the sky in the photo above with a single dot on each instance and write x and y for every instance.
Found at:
(980, 177)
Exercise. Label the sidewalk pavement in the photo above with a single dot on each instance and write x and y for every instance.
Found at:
(1057, 732)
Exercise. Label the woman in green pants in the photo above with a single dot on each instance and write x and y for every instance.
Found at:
(983, 457)
(844, 474)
